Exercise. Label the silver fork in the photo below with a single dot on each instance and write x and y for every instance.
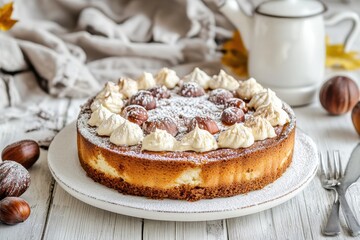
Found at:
(331, 172)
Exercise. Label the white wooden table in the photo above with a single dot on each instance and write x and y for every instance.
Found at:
(57, 215)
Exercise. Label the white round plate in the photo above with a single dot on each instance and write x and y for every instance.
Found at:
(65, 167)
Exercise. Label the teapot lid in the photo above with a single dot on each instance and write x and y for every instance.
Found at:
(291, 8)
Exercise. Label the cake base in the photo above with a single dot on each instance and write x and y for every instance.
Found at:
(184, 192)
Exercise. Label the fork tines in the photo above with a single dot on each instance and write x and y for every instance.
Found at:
(332, 167)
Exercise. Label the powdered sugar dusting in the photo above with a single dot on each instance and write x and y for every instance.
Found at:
(182, 110)
(191, 89)
(14, 179)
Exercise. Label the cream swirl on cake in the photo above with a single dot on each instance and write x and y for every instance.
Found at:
(275, 115)
(247, 89)
(110, 87)
(261, 128)
(109, 125)
(95, 104)
(198, 76)
(198, 140)
(159, 140)
(128, 86)
(146, 81)
(236, 136)
(99, 115)
(224, 80)
(114, 102)
(110, 97)
(264, 98)
(127, 134)
(167, 77)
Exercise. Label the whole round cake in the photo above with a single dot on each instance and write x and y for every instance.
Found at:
(187, 138)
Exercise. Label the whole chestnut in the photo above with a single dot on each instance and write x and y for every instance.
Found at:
(232, 115)
(144, 99)
(220, 96)
(339, 94)
(25, 152)
(160, 92)
(14, 210)
(191, 89)
(165, 123)
(206, 123)
(236, 102)
(14, 179)
(355, 117)
(135, 114)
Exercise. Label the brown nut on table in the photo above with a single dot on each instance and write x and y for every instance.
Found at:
(14, 179)
(144, 99)
(135, 114)
(191, 89)
(236, 102)
(339, 95)
(14, 210)
(205, 123)
(165, 123)
(25, 152)
(160, 92)
(232, 115)
(220, 96)
(355, 117)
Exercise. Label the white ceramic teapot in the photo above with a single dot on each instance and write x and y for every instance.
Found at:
(286, 44)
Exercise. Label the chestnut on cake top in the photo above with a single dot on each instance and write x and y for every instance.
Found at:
(195, 113)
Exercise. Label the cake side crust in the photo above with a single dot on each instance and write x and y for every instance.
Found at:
(156, 179)
(185, 192)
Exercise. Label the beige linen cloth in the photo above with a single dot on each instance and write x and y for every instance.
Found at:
(73, 46)
(69, 48)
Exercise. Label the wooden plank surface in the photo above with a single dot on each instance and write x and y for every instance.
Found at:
(70, 218)
(161, 230)
(39, 193)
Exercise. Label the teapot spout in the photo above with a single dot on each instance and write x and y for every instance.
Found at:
(232, 10)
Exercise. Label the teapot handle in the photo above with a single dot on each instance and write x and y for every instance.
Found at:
(354, 31)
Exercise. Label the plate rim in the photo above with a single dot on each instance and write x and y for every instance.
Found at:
(180, 216)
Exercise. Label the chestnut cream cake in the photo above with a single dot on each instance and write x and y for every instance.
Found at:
(187, 138)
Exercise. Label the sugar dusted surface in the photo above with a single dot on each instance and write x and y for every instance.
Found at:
(183, 109)
(68, 171)
(135, 151)
(15, 177)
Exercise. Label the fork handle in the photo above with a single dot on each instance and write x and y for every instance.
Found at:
(354, 227)
(332, 227)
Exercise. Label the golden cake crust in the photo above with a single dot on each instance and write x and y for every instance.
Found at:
(184, 175)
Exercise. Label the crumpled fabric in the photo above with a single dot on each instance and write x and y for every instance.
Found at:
(73, 47)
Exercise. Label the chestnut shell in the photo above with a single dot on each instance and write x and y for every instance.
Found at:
(232, 115)
(144, 99)
(25, 152)
(135, 114)
(14, 210)
(166, 123)
(205, 123)
(355, 117)
(14, 179)
(191, 89)
(339, 95)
